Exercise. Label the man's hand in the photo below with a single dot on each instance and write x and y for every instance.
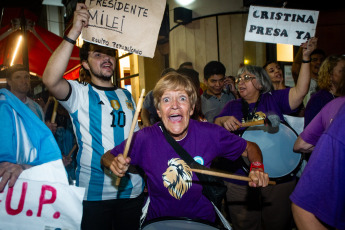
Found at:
(9, 172)
(119, 165)
(80, 20)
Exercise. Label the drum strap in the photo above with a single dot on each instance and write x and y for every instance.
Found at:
(247, 116)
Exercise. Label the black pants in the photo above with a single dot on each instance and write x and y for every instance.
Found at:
(112, 214)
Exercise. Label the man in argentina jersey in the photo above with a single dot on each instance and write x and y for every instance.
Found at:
(102, 115)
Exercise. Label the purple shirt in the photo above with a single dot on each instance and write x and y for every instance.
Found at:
(321, 188)
(315, 104)
(323, 119)
(275, 102)
(170, 194)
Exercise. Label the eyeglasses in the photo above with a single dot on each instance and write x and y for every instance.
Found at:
(245, 78)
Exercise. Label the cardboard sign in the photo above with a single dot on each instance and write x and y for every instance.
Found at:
(40, 200)
(129, 25)
(280, 25)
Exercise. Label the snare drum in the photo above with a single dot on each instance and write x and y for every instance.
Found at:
(279, 159)
(177, 224)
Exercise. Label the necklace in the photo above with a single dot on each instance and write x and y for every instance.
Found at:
(249, 115)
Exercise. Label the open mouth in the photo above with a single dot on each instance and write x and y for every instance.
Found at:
(175, 118)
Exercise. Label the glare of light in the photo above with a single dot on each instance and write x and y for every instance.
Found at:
(246, 61)
(184, 2)
(16, 50)
(284, 52)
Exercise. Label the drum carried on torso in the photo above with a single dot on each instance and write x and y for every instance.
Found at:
(177, 224)
(276, 144)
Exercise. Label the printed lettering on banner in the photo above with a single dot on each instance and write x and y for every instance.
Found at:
(129, 25)
(37, 204)
(280, 25)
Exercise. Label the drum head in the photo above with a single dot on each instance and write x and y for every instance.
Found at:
(177, 224)
(277, 149)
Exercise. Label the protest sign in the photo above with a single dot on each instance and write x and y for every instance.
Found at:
(42, 199)
(129, 25)
(280, 25)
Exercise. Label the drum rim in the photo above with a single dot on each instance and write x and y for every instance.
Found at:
(163, 218)
(288, 177)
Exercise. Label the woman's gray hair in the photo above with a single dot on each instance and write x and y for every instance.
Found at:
(261, 75)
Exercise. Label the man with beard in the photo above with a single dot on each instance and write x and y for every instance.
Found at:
(101, 115)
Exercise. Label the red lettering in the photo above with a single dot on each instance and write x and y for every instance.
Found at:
(8, 208)
(46, 201)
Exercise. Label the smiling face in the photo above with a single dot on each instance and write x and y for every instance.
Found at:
(175, 111)
(215, 84)
(249, 90)
(100, 62)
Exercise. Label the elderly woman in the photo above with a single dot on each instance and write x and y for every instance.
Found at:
(174, 191)
(330, 74)
(257, 94)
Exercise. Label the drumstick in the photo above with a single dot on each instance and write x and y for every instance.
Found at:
(129, 139)
(56, 103)
(72, 150)
(225, 175)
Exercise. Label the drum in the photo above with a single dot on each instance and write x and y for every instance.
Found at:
(276, 144)
(177, 224)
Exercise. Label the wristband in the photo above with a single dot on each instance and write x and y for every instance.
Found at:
(303, 61)
(256, 165)
(69, 40)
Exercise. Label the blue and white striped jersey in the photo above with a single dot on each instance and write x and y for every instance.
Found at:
(101, 120)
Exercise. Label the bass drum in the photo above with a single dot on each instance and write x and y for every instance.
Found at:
(276, 144)
(177, 224)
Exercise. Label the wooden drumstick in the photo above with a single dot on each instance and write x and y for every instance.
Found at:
(56, 103)
(129, 139)
(225, 175)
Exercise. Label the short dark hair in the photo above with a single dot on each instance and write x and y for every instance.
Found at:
(318, 51)
(184, 64)
(15, 68)
(213, 67)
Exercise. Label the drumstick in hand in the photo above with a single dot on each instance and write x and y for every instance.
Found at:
(225, 175)
(129, 139)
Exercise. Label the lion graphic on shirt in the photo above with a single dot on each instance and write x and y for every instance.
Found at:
(177, 178)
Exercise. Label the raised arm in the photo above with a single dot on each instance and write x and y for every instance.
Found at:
(53, 73)
(298, 92)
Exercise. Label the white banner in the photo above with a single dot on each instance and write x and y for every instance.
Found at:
(280, 25)
(129, 25)
(42, 199)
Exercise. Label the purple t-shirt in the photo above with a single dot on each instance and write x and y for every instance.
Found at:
(321, 188)
(275, 102)
(323, 119)
(315, 104)
(171, 191)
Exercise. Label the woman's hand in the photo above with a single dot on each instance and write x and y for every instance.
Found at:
(308, 48)
(228, 122)
(259, 178)
(119, 165)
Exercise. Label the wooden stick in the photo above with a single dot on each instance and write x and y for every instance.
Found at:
(129, 139)
(225, 175)
(56, 103)
(72, 150)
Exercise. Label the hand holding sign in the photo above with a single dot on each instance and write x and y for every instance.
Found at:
(129, 25)
(80, 21)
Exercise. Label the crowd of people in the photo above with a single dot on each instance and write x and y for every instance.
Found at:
(90, 120)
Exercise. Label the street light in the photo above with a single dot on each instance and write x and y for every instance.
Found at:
(16, 50)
